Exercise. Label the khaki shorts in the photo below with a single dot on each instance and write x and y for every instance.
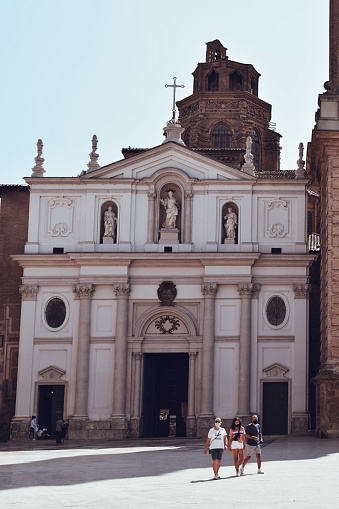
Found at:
(250, 449)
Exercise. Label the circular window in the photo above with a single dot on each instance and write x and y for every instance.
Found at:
(276, 311)
(55, 313)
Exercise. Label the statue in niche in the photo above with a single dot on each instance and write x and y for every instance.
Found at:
(171, 207)
(231, 223)
(110, 221)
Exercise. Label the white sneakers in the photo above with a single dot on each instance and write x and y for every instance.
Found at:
(260, 471)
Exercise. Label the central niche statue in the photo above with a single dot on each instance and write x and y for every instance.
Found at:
(171, 207)
(231, 223)
(110, 221)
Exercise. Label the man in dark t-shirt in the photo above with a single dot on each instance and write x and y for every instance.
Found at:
(253, 441)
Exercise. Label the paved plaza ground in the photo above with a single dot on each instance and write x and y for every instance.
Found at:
(171, 473)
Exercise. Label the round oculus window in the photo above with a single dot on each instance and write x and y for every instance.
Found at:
(55, 313)
(276, 310)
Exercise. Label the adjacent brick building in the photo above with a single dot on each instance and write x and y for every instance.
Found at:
(14, 200)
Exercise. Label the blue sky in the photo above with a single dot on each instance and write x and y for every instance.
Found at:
(74, 68)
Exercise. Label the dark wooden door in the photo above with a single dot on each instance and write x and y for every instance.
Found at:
(275, 408)
(165, 393)
(50, 406)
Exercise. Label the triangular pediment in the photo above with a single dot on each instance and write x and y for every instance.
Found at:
(275, 371)
(52, 373)
(170, 155)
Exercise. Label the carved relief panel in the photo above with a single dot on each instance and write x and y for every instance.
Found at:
(277, 219)
(60, 217)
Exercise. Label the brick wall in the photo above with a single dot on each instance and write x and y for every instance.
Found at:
(13, 236)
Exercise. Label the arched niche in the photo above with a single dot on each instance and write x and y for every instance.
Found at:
(236, 81)
(108, 206)
(213, 82)
(169, 191)
(230, 220)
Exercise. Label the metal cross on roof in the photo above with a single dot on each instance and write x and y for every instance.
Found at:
(174, 86)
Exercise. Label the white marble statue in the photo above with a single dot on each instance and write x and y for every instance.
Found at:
(171, 208)
(110, 221)
(231, 223)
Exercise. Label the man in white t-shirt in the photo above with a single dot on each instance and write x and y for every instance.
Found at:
(216, 442)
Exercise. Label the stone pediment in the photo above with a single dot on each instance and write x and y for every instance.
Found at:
(170, 155)
(52, 374)
(275, 371)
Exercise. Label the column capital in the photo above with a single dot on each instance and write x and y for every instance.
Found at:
(255, 290)
(301, 290)
(209, 289)
(84, 290)
(123, 290)
(151, 194)
(137, 356)
(245, 289)
(192, 355)
(29, 292)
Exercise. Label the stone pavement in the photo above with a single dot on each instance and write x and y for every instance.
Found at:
(170, 473)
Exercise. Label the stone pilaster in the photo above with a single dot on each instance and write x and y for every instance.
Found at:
(191, 418)
(135, 419)
(150, 223)
(85, 293)
(24, 393)
(206, 414)
(119, 422)
(245, 292)
(188, 218)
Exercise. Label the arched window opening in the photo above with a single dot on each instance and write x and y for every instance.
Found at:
(213, 82)
(256, 149)
(221, 137)
(217, 55)
(187, 137)
(254, 87)
(236, 81)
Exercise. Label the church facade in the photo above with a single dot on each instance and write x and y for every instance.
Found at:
(171, 286)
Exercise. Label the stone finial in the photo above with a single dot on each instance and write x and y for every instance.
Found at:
(248, 167)
(300, 172)
(173, 132)
(93, 163)
(38, 169)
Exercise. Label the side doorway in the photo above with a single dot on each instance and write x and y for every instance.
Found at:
(275, 408)
(50, 406)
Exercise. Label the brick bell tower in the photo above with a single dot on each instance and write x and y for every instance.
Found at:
(323, 171)
(224, 109)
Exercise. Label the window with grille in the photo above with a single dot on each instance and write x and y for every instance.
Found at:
(221, 137)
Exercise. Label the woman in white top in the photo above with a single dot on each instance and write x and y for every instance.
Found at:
(236, 443)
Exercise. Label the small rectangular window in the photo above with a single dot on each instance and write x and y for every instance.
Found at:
(167, 249)
(58, 250)
(276, 250)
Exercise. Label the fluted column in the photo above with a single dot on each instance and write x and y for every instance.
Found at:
(150, 224)
(188, 218)
(122, 293)
(245, 292)
(209, 291)
(85, 293)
